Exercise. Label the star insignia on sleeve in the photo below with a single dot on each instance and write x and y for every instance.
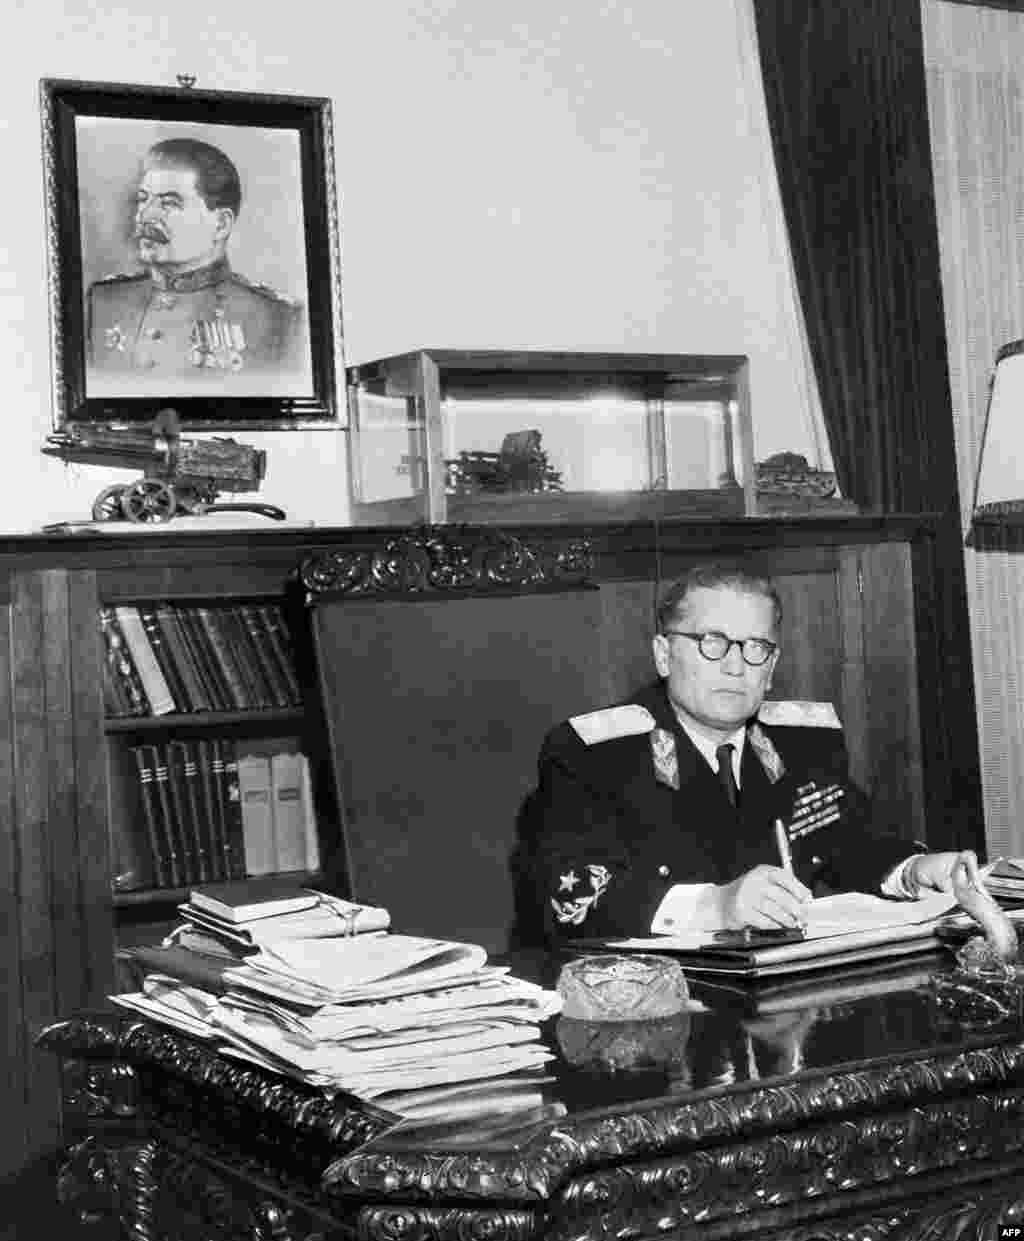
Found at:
(575, 911)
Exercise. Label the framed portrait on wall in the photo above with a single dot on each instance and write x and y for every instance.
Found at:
(194, 259)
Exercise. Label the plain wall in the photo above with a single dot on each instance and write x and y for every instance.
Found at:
(573, 176)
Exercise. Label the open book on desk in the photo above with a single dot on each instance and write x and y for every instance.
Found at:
(850, 927)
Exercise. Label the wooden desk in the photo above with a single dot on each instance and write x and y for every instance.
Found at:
(886, 1107)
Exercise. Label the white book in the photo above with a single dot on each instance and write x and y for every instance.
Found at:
(288, 812)
(312, 836)
(254, 791)
(161, 700)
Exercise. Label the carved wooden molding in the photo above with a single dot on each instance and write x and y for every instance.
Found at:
(792, 1169)
(94, 1089)
(828, 1131)
(396, 1223)
(442, 559)
(337, 1121)
(538, 1171)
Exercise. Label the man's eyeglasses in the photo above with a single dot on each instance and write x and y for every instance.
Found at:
(715, 646)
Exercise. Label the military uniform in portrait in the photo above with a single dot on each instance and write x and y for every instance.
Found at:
(209, 320)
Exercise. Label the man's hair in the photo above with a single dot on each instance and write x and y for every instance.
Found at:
(710, 576)
(217, 179)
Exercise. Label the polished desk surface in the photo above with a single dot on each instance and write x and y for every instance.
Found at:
(866, 1096)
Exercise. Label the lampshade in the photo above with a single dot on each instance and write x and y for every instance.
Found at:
(999, 487)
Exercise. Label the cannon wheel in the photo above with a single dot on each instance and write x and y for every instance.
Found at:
(149, 500)
(107, 505)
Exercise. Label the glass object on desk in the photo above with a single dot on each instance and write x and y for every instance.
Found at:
(610, 986)
(490, 436)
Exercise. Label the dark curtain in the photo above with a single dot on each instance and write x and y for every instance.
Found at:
(848, 110)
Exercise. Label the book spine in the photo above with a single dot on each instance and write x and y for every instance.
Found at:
(210, 809)
(158, 642)
(133, 869)
(209, 669)
(244, 657)
(226, 766)
(171, 757)
(277, 685)
(165, 816)
(185, 770)
(158, 693)
(288, 816)
(218, 644)
(254, 787)
(280, 644)
(181, 657)
(119, 664)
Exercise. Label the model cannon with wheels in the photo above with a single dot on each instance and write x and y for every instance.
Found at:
(179, 476)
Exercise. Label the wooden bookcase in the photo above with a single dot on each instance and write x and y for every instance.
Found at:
(210, 835)
(871, 630)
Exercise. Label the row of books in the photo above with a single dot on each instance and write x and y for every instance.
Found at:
(211, 813)
(162, 658)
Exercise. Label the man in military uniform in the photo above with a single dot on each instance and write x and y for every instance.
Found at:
(188, 313)
(659, 815)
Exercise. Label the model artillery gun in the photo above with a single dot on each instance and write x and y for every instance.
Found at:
(521, 465)
(179, 476)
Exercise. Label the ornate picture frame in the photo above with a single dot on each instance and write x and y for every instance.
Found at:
(194, 259)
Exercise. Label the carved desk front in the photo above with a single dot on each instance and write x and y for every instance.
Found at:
(886, 1106)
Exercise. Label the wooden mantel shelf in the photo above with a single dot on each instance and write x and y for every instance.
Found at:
(95, 549)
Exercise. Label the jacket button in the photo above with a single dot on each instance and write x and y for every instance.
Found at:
(664, 872)
(815, 861)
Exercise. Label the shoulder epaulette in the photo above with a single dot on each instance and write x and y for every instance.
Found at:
(630, 720)
(799, 713)
(268, 290)
(122, 277)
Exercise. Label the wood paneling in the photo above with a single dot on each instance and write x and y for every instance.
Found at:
(15, 1148)
(32, 594)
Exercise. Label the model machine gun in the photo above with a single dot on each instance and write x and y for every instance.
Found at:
(178, 475)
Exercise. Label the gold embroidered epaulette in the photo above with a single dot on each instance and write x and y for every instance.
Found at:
(630, 720)
(799, 713)
(122, 277)
(268, 290)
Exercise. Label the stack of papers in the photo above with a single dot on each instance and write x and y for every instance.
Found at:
(1004, 878)
(383, 1016)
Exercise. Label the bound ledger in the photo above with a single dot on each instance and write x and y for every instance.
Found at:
(853, 926)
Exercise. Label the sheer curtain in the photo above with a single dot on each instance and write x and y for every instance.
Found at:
(975, 66)
(777, 238)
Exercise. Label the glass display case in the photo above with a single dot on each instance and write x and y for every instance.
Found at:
(486, 435)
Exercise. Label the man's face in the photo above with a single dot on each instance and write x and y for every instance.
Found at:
(717, 696)
(174, 227)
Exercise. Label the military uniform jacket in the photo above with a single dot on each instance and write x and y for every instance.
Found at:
(210, 320)
(607, 834)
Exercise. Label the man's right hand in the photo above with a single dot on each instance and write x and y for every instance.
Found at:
(765, 897)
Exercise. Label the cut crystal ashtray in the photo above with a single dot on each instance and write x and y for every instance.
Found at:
(612, 987)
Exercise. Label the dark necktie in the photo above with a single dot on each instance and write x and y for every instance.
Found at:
(725, 773)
